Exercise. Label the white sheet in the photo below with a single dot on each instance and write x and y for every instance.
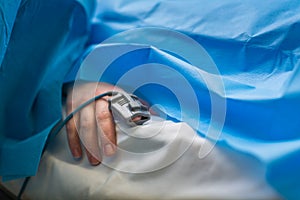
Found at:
(222, 174)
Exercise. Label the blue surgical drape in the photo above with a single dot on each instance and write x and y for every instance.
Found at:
(255, 45)
(40, 42)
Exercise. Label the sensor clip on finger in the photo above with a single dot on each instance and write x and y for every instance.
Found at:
(128, 108)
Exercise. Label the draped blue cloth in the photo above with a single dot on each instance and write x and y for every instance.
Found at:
(254, 44)
(256, 47)
(40, 42)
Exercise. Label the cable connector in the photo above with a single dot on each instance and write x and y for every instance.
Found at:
(127, 108)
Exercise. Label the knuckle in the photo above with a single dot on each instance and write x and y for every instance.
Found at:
(84, 119)
(84, 126)
(98, 90)
(102, 115)
(69, 127)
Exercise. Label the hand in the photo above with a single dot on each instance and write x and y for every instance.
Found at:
(93, 126)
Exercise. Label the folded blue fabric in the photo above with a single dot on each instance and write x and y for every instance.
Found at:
(254, 45)
(40, 41)
(256, 49)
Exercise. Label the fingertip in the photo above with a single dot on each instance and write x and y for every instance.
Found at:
(109, 149)
(93, 161)
(77, 153)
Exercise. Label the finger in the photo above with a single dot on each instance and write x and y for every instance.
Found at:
(72, 135)
(106, 127)
(88, 134)
(93, 161)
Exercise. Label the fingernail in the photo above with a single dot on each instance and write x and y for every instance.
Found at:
(94, 161)
(109, 149)
(76, 154)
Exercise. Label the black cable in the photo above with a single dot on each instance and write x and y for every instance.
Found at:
(23, 187)
(57, 128)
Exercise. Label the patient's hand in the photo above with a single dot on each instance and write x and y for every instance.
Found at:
(93, 124)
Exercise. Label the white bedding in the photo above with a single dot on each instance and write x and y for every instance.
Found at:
(223, 174)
